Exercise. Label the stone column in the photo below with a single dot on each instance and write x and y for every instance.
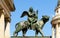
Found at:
(1, 24)
(7, 27)
(53, 32)
(57, 34)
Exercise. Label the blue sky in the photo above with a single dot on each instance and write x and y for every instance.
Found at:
(44, 7)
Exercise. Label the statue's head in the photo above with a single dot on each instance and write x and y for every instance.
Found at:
(45, 18)
(30, 9)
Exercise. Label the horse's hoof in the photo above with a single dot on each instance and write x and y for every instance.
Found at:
(36, 36)
(24, 36)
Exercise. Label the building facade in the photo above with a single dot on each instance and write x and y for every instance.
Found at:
(6, 6)
(56, 22)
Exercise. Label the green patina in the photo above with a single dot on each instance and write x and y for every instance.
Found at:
(32, 23)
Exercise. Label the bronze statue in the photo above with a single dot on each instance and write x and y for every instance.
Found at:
(37, 27)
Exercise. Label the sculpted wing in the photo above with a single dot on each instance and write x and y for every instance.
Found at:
(24, 14)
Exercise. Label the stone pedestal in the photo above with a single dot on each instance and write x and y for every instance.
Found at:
(30, 37)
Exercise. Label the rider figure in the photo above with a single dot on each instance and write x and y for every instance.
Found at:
(32, 19)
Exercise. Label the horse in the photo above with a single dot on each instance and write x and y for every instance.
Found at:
(21, 26)
(37, 27)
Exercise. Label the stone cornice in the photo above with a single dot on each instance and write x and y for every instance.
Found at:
(56, 21)
(7, 19)
(10, 4)
(7, 6)
(56, 16)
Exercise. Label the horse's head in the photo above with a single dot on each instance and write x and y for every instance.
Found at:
(45, 18)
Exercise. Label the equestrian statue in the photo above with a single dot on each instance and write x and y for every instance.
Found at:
(32, 23)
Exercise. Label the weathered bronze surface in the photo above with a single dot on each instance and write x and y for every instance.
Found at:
(32, 23)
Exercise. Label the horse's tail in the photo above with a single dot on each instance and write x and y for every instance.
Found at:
(16, 25)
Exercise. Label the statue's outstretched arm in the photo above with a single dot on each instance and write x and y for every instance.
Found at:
(24, 14)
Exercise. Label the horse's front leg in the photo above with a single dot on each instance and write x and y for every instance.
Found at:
(15, 33)
(41, 32)
(24, 32)
(36, 34)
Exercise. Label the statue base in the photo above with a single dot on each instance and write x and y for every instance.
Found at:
(31, 37)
